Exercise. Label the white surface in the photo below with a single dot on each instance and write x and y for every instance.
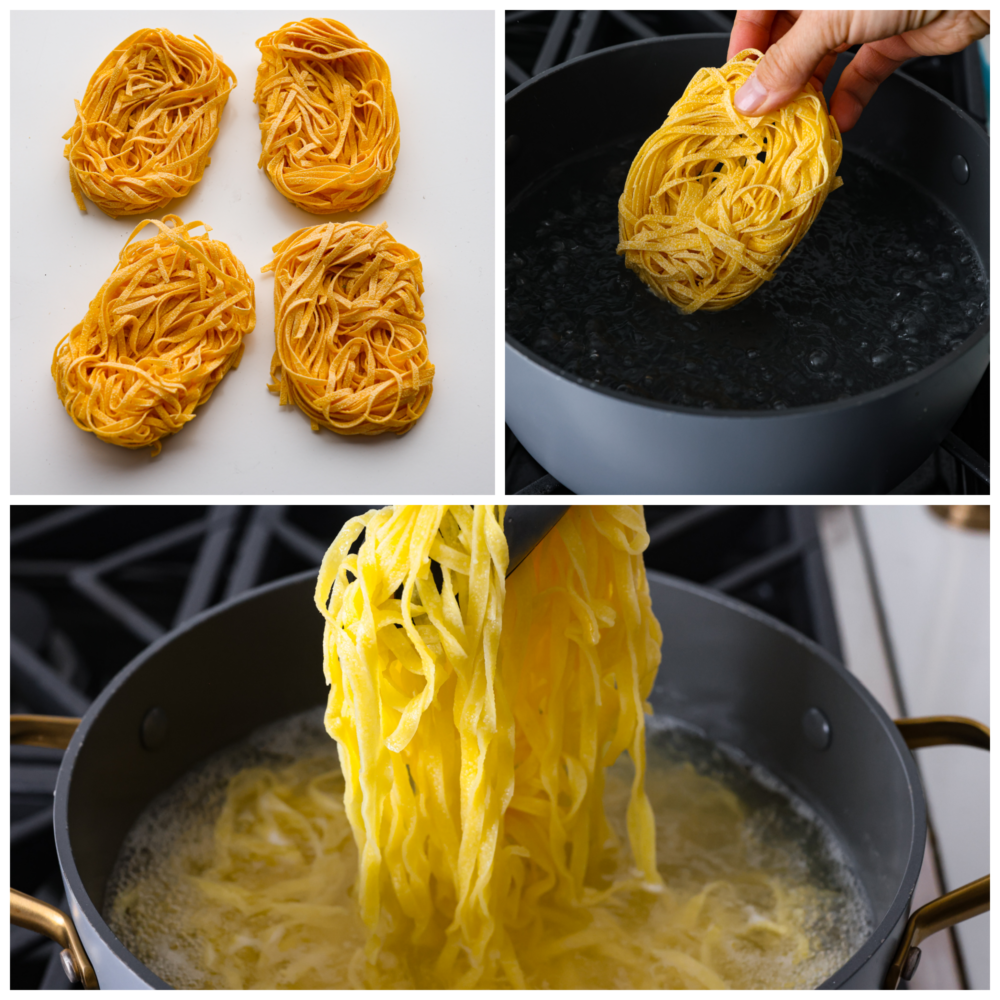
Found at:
(934, 581)
(440, 203)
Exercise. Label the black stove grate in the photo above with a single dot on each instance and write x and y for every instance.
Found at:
(538, 40)
(92, 586)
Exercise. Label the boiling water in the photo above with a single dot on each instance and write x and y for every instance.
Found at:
(755, 886)
(882, 285)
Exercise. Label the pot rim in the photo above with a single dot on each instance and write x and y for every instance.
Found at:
(834, 406)
(79, 897)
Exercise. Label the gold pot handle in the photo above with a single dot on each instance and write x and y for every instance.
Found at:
(43, 730)
(960, 904)
(26, 911)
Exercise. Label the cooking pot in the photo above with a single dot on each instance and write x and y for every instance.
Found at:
(745, 679)
(601, 441)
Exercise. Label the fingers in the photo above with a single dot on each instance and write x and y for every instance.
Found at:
(790, 62)
(874, 63)
(751, 30)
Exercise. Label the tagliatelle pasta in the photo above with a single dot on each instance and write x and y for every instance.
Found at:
(350, 342)
(328, 122)
(147, 122)
(158, 337)
(715, 201)
(474, 720)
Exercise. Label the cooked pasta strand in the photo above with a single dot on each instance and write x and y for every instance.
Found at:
(474, 722)
(158, 337)
(715, 201)
(147, 122)
(350, 343)
(328, 122)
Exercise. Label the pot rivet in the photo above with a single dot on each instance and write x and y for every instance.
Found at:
(960, 168)
(69, 966)
(816, 728)
(911, 963)
(513, 147)
(153, 732)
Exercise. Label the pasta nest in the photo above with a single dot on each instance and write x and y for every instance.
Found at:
(158, 338)
(350, 344)
(715, 201)
(329, 129)
(147, 122)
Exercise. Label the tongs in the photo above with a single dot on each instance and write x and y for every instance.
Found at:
(525, 525)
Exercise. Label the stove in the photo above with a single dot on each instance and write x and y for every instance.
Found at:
(93, 586)
(536, 41)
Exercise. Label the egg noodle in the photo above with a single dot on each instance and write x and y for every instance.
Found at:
(158, 337)
(476, 834)
(147, 122)
(328, 122)
(474, 722)
(350, 342)
(715, 201)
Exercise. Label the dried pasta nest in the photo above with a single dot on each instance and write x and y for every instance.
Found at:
(715, 201)
(147, 123)
(158, 338)
(351, 346)
(329, 129)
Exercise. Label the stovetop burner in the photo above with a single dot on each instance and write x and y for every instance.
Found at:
(538, 40)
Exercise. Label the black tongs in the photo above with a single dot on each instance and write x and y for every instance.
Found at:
(525, 526)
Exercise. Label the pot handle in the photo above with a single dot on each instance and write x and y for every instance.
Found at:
(960, 904)
(26, 911)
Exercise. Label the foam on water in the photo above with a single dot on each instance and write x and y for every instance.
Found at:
(883, 285)
(713, 806)
(148, 893)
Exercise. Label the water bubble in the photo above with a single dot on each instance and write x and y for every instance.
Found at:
(819, 360)
(881, 356)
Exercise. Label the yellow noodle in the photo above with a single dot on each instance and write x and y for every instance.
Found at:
(350, 343)
(328, 122)
(474, 757)
(158, 337)
(147, 122)
(702, 221)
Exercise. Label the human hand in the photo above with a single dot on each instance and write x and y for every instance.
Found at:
(800, 45)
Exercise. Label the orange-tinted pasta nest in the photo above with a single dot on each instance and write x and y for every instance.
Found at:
(147, 123)
(351, 346)
(157, 339)
(329, 129)
(715, 201)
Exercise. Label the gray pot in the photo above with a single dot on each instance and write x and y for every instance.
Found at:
(600, 441)
(742, 677)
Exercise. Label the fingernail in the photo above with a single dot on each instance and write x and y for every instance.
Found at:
(750, 96)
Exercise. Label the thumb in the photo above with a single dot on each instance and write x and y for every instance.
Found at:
(790, 62)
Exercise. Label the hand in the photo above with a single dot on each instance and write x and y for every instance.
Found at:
(800, 45)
